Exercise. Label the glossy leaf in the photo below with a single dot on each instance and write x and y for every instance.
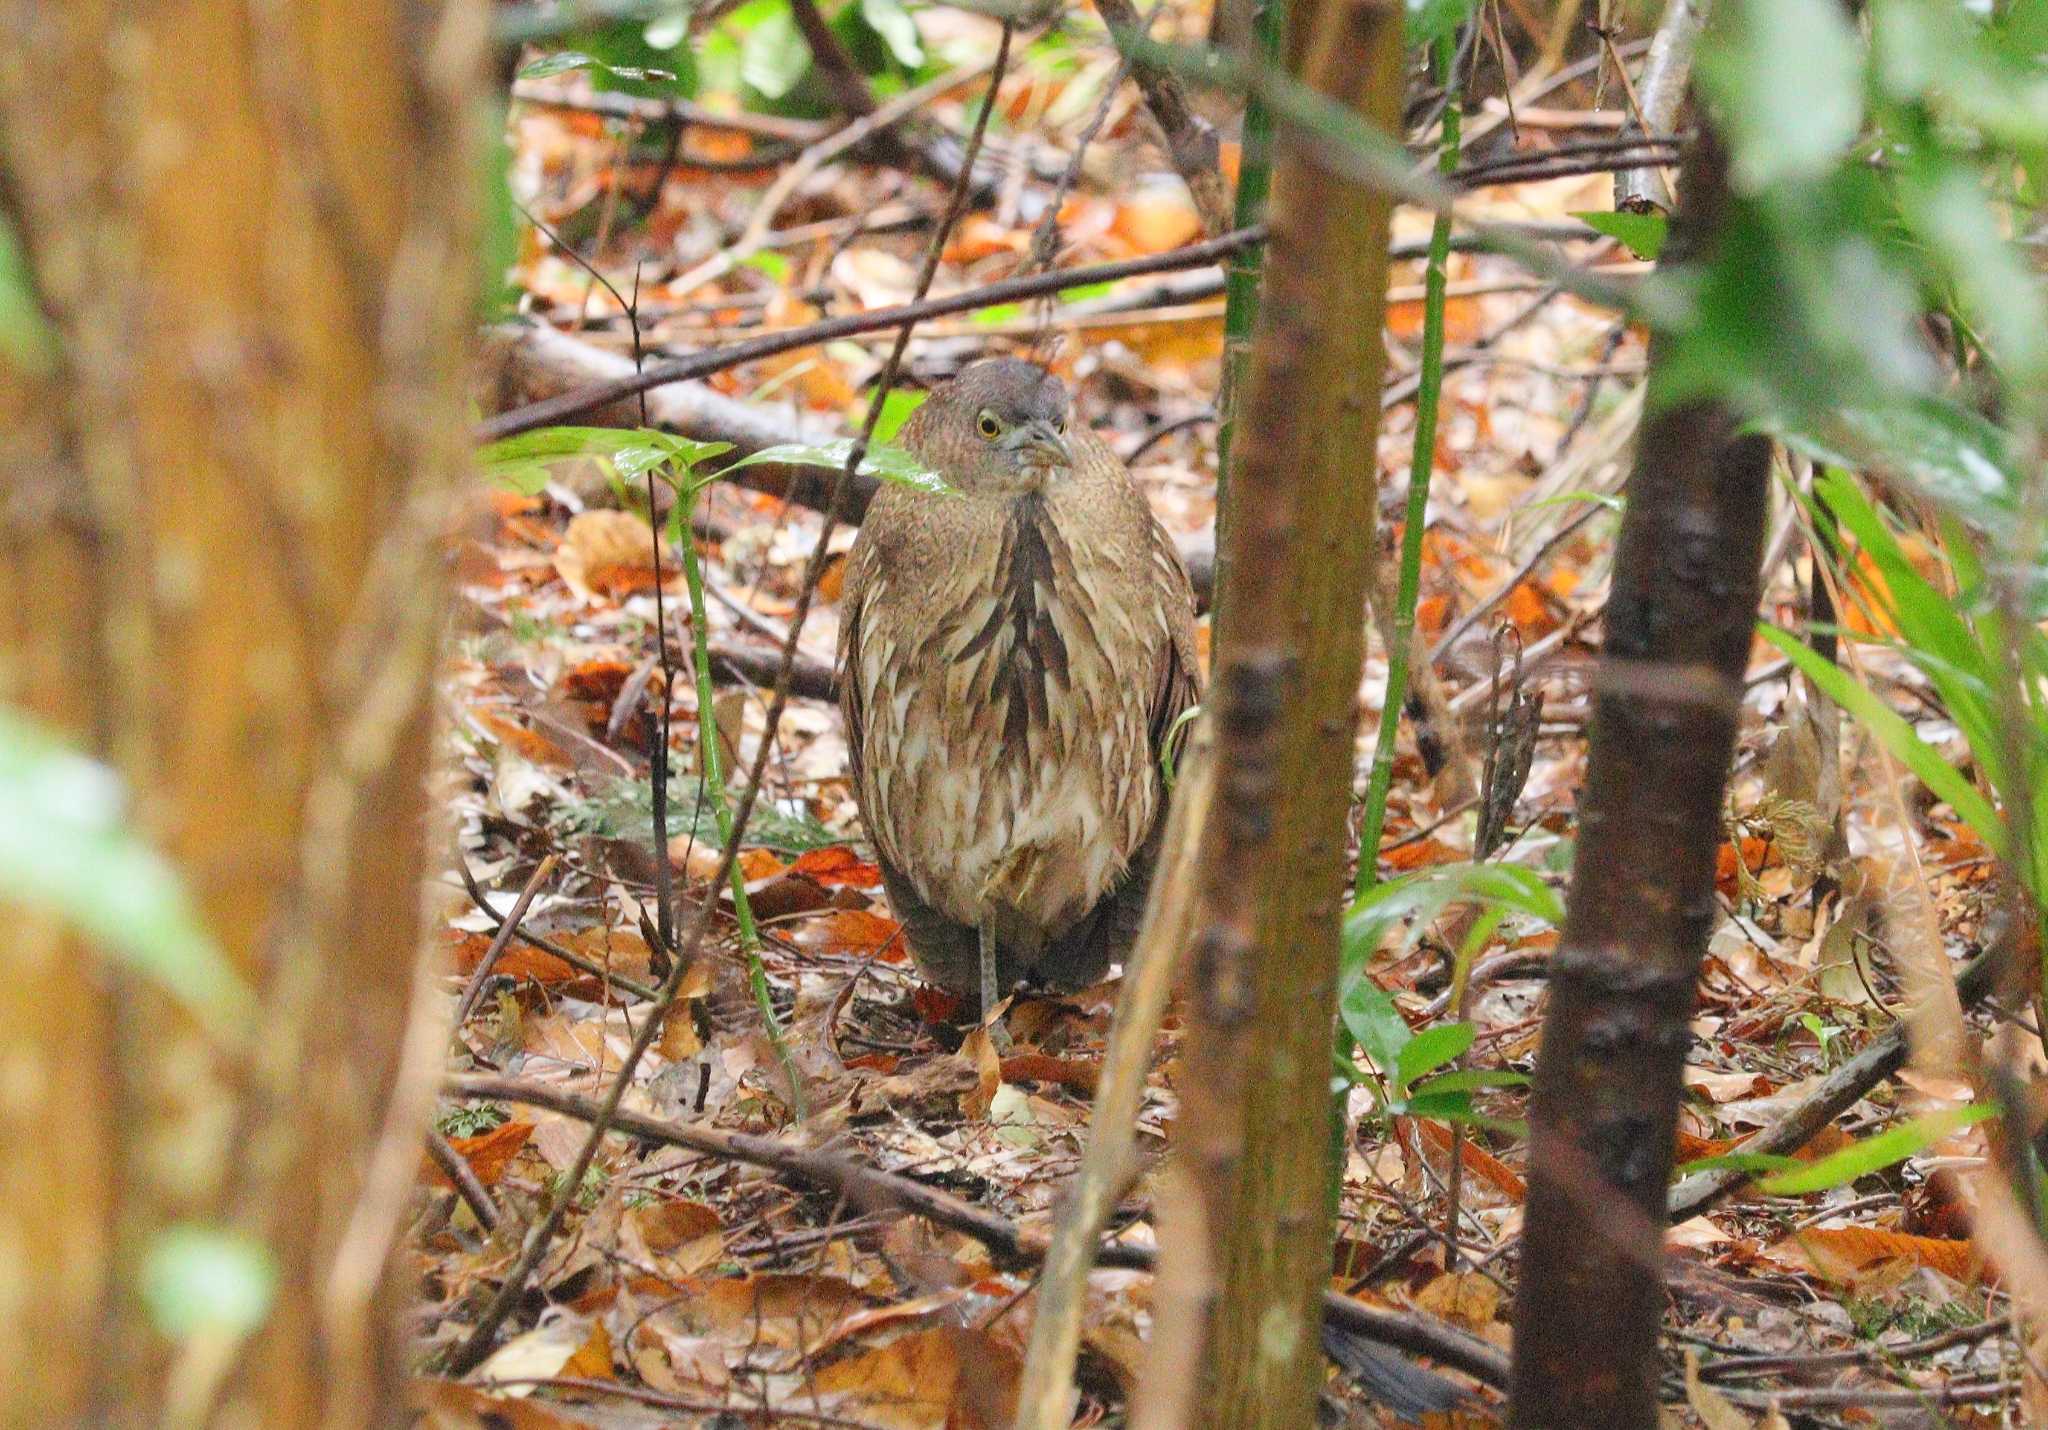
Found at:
(890, 464)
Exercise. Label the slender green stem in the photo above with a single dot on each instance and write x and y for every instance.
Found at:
(1428, 399)
(713, 765)
(1242, 270)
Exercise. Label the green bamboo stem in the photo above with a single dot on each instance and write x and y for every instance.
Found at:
(713, 765)
(1241, 272)
(1428, 400)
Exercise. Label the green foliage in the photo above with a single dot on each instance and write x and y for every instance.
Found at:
(522, 462)
(1874, 1154)
(64, 848)
(1404, 1058)
(207, 1281)
(1788, 77)
(1870, 186)
(1430, 20)
(647, 57)
(1641, 234)
(470, 1119)
(498, 243)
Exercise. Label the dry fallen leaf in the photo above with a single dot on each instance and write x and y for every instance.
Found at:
(609, 552)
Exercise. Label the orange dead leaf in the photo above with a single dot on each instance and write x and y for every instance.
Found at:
(1478, 1161)
(1757, 855)
(1421, 854)
(598, 680)
(922, 1380)
(524, 742)
(519, 960)
(1078, 1074)
(610, 552)
(488, 1154)
(836, 867)
(1839, 1252)
(979, 236)
(850, 931)
(1530, 612)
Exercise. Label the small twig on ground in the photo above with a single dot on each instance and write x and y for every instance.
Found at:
(868, 1189)
(503, 937)
(456, 1168)
(546, 945)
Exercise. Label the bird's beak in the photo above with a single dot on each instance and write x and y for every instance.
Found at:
(1039, 438)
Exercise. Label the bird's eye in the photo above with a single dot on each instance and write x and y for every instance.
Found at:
(991, 426)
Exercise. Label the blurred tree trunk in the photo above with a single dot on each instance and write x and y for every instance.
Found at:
(249, 229)
(1253, 1136)
(1667, 701)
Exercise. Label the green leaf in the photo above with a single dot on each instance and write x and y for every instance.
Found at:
(1737, 1162)
(896, 410)
(1950, 454)
(1429, 1050)
(890, 464)
(563, 61)
(1473, 1079)
(1086, 291)
(1374, 1022)
(1642, 234)
(1789, 78)
(64, 848)
(207, 1280)
(999, 313)
(1874, 1154)
(773, 56)
(1895, 735)
(892, 22)
(1430, 20)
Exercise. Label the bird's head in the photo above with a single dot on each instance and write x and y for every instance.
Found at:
(1000, 426)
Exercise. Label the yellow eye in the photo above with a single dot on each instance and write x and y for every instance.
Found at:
(991, 426)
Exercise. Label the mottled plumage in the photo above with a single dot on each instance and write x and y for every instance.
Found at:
(1011, 660)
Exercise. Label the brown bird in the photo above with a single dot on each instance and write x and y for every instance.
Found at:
(1012, 660)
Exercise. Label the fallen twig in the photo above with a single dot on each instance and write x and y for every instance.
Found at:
(456, 1168)
(868, 1189)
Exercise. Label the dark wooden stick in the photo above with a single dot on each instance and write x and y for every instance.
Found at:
(867, 1189)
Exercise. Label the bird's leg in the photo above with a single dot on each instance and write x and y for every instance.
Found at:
(997, 1033)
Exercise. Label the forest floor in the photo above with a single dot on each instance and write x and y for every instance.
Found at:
(688, 1280)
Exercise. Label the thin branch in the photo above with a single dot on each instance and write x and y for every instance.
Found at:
(463, 1177)
(1836, 1093)
(506, 929)
(552, 410)
(868, 1189)
(549, 946)
(1665, 74)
